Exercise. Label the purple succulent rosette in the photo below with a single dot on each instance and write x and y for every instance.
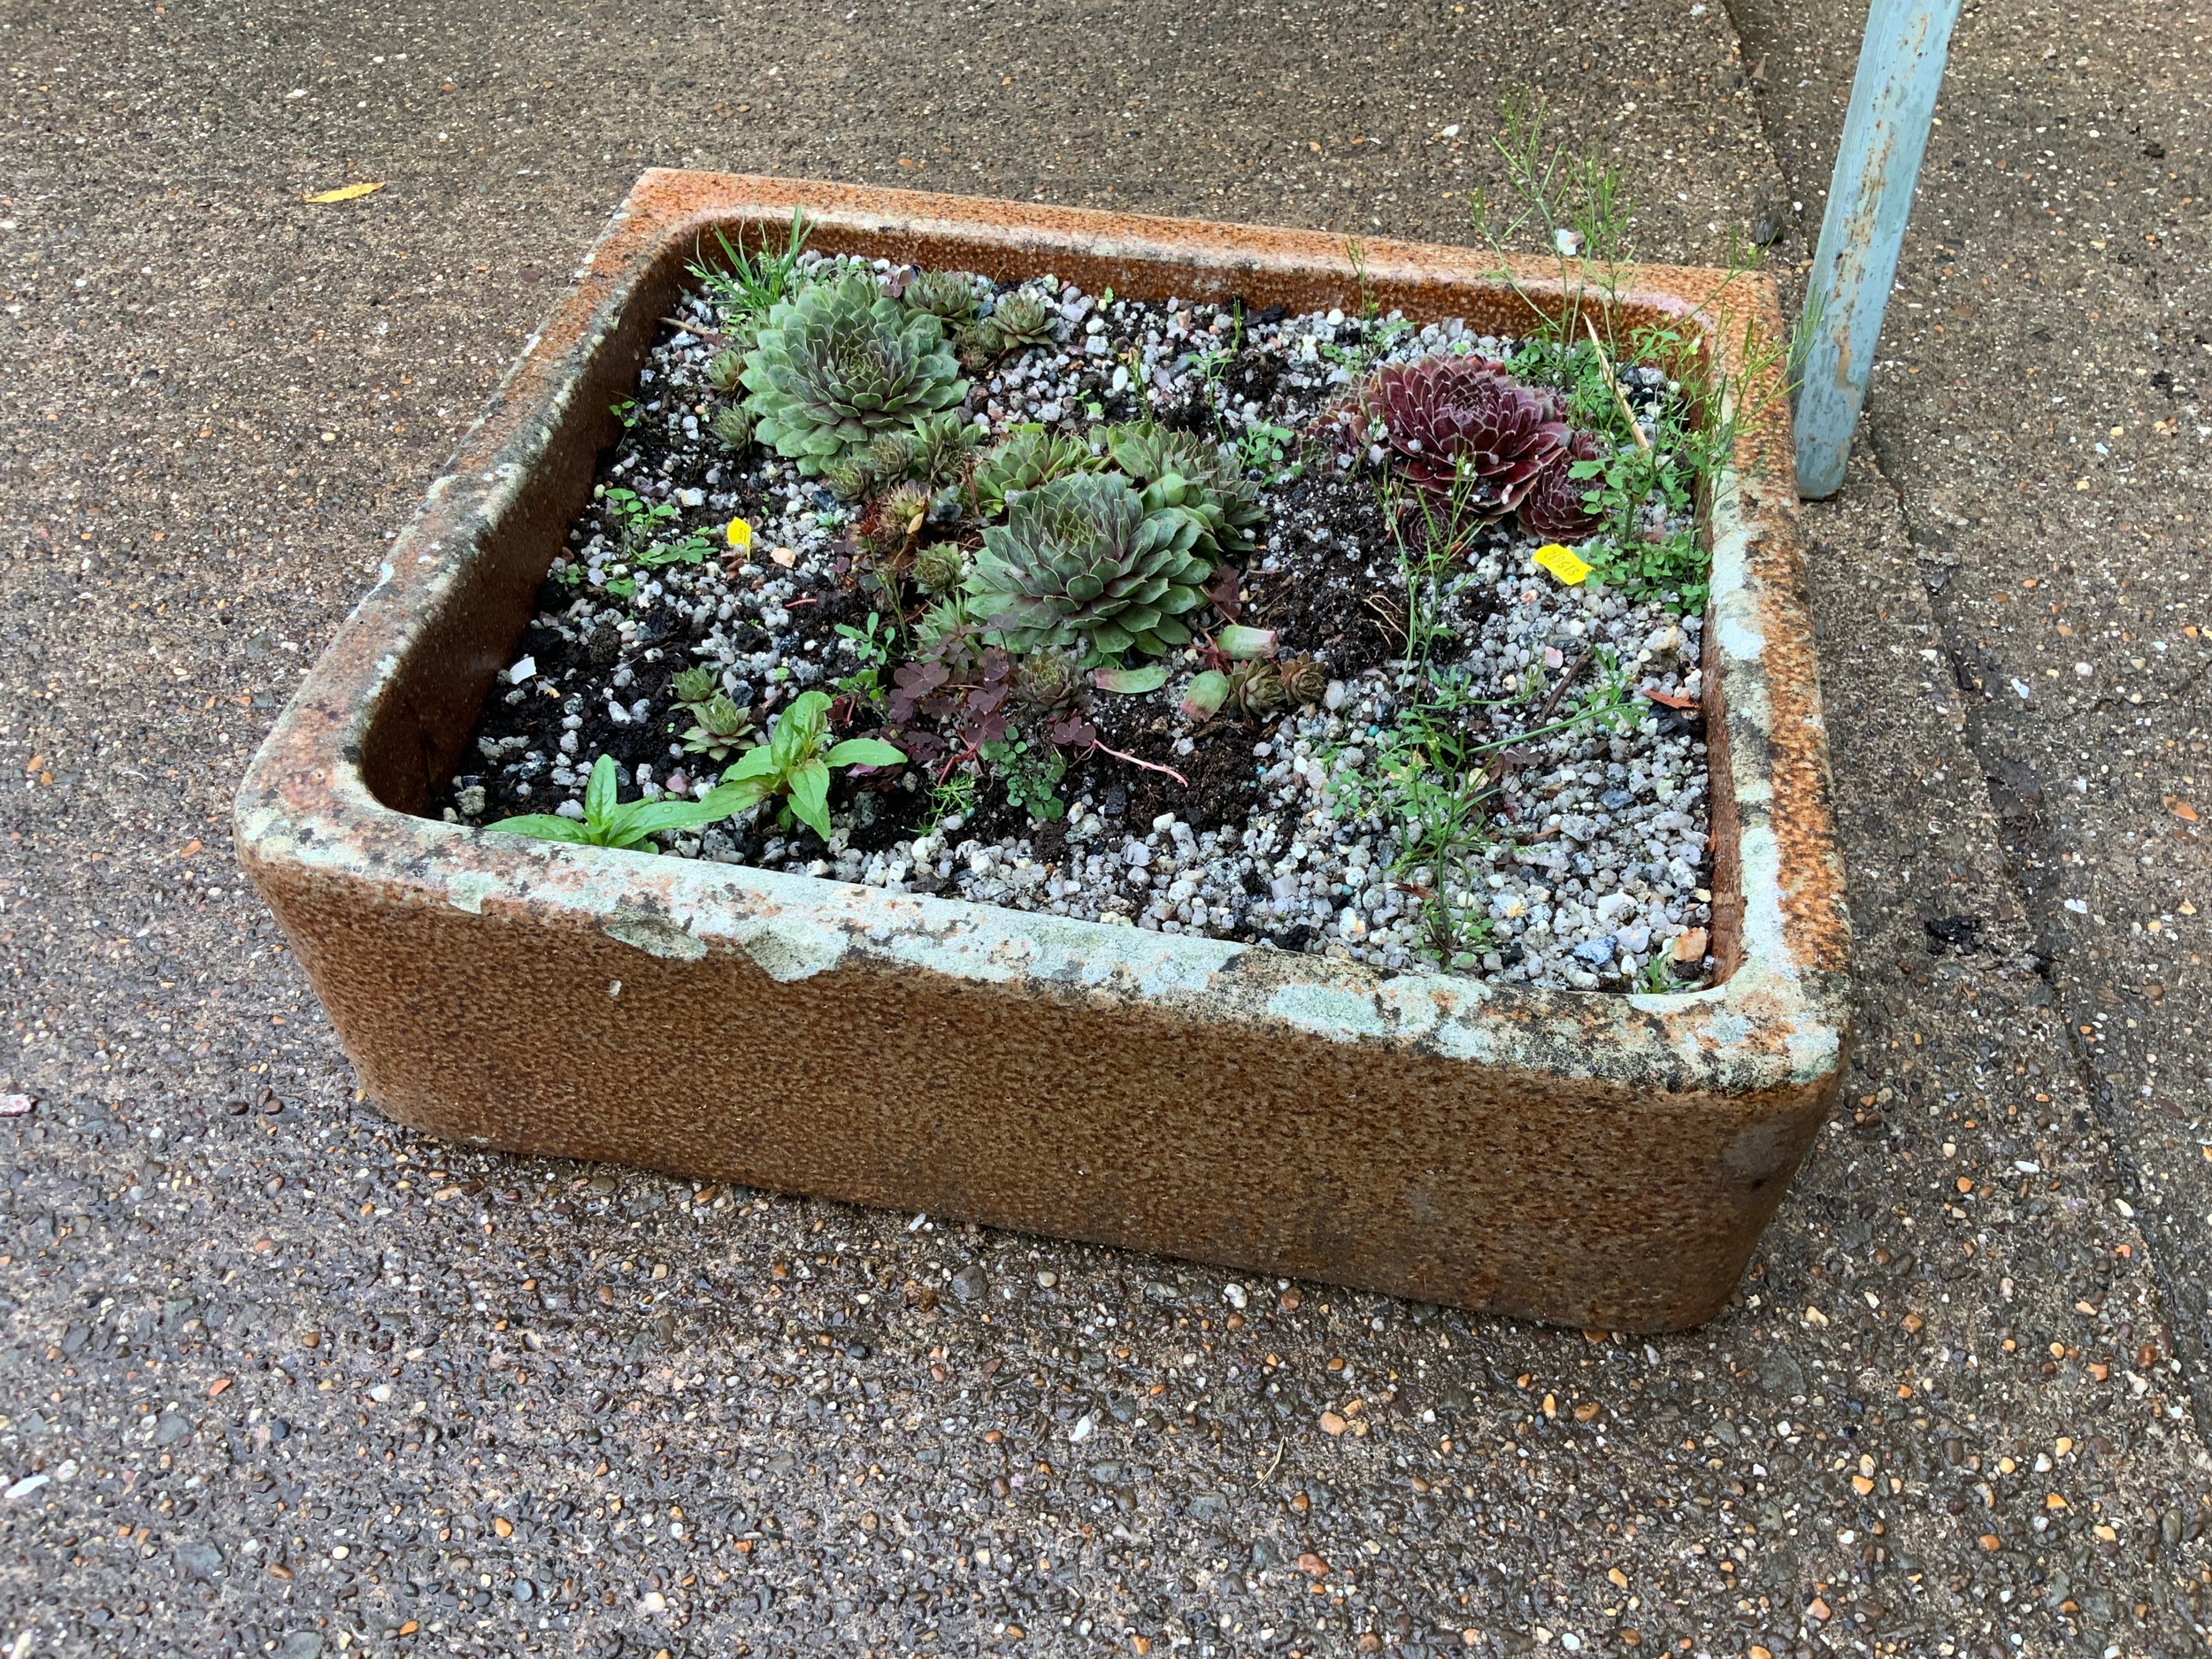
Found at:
(1555, 505)
(1452, 418)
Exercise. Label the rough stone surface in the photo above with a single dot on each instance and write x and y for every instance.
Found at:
(495, 1357)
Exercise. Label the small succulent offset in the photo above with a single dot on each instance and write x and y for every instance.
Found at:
(732, 426)
(1017, 320)
(1029, 456)
(1023, 320)
(1088, 561)
(897, 520)
(839, 365)
(940, 567)
(718, 726)
(692, 684)
(793, 767)
(1213, 485)
(1456, 421)
(1557, 504)
(934, 450)
(1048, 681)
(724, 368)
(942, 444)
(948, 295)
(611, 822)
(1248, 679)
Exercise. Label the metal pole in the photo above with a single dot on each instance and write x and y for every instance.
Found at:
(1892, 100)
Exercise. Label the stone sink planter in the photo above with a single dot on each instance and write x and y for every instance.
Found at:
(1595, 1159)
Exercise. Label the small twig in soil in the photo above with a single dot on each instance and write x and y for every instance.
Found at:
(1147, 764)
(700, 329)
(1605, 366)
(1273, 1465)
(1498, 762)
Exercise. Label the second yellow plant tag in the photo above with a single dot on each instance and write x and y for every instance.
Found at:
(1561, 563)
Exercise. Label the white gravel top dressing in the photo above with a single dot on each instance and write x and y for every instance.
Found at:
(1594, 870)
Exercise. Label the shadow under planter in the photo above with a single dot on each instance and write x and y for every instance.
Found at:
(1595, 1159)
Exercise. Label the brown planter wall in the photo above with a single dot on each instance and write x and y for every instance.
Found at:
(1593, 1159)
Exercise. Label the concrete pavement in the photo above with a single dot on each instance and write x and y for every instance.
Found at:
(279, 1378)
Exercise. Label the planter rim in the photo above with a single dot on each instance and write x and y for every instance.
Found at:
(1776, 1022)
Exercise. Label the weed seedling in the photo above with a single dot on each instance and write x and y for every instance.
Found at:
(746, 286)
(610, 822)
(871, 647)
(794, 769)
(1031, 771)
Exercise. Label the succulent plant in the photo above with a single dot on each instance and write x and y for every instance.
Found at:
(942, 444)
(1305, 682)
(1047, 680)
(1029, 456)
(1216, 490)
(891, 455)
(1085, 560)
(977, 347)
(1016, 320)
(725, 367)
(696, 684)
(720, 725)
(840, 364)
(893, 522)
(1022, 319)
(1246, 688)
(1257, 688)
(1461, 419)
(948, 295)
(940, 567)
(953, 613)
(732, 426)
(849, 477)
(1554, 506)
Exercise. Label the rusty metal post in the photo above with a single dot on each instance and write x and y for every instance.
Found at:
(1869, 197)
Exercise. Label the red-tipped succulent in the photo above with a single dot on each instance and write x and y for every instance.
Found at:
(1462, 418)
(1553, 505)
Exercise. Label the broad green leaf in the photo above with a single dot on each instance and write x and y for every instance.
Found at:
(1131, 682)
(865, 751)
(1208, 692)
(652, 817)
(758, 762)
(599, 792)
(737, 794)
(1246, 644)
(542, 826)
(799, 729)
(810, 797)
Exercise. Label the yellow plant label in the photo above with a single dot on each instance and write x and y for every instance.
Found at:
(346, 193)
(1561, 563)
(741, 535)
